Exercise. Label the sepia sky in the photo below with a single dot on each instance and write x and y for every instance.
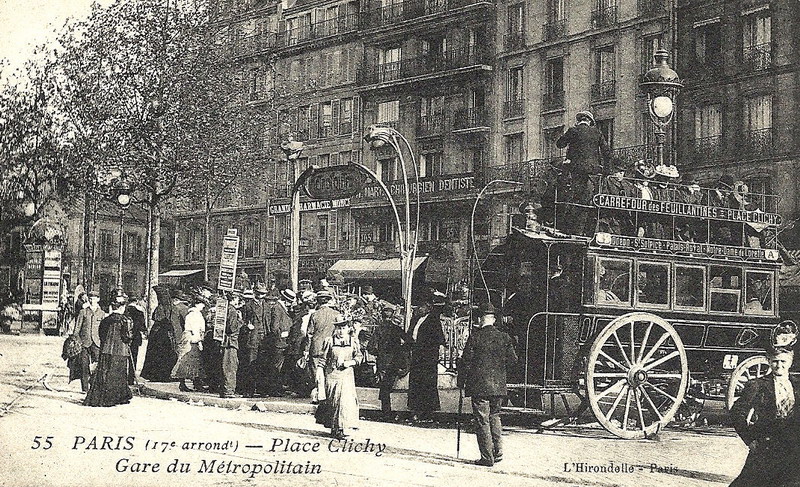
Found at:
(26, 23)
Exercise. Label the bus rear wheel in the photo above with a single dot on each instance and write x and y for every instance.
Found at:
(749, 369)
(637, 375)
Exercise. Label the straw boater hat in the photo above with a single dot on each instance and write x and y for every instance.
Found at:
(288, 294)
(341, 320)
(261, 289)
(248, 294)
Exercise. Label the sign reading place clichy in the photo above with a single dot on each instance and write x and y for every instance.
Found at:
(335, 182)
(227, 263)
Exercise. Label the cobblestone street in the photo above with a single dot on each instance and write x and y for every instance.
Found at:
(219, 446)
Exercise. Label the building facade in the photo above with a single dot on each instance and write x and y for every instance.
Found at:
(482, 90)
(737, 114)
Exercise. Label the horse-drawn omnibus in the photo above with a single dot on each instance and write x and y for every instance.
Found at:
(669, 295)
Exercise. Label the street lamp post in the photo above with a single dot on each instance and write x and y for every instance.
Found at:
(377, 136)
(662, 85)
(292, 150)
(123, 200)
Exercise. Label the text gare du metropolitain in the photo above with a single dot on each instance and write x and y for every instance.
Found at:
(218, 466)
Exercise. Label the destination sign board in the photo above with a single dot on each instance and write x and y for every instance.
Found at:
(335, 182)
(675, 208)
(677, 246)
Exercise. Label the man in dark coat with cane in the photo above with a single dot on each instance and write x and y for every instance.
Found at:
(487, 355)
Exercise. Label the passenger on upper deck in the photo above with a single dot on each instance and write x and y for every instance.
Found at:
(689, 229)
(618, 222)
(587, 153)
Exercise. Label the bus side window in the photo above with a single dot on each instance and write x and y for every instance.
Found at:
(613, 281)
(652, 284)
(759, 293)
(690, 291)
(726, 288)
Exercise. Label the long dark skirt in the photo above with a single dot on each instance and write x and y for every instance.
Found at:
(423, 391)
(109, 385)
(160, 357)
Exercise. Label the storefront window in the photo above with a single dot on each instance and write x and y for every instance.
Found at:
(653, 284)
(726, 288)
(613, 281)
(759, 293)
(690, 287)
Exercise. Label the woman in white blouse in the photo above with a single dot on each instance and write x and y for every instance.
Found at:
(190, 361)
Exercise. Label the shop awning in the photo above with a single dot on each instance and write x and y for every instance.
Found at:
(180, 273)
(350, 269)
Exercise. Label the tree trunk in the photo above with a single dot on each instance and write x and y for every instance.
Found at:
(87, 242)
(148, 289)
(155, 247)
(206, 253)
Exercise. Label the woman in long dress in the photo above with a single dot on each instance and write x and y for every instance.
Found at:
(342, 352)
(109, 385)
(190, 361)
(163, 341)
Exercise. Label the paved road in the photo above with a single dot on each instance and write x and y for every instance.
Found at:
(122, 445)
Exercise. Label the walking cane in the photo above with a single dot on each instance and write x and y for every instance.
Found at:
(458, 421)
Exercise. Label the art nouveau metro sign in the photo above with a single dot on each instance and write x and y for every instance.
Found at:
(335, 182)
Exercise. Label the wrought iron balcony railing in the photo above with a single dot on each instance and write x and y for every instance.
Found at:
(604, 17)
(707, 149)
(649, 8)
(431, 124)
(255, 44)
(631, 154)
(554, 29)
(757, 58)
(422, 65)
(513, 108)
(605, 90)
(320, 30)
(553, 101)
(470, 118)
(411, 10)
(758, 143)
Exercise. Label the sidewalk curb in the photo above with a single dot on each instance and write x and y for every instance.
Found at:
(269, 404)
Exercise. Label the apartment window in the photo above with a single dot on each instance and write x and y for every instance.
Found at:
(554, 83)
(514, 149)
(389, 112)
(551, 135)
(303, 123)
(431, 111)
(515, 36)
(431, 164)
(322, 227)
(389, 63)
(387, 169)
(434, 46)
(555, 11)
(346, 116)
(251, 239)
(253, 85)
(324, 160)
(513, 106)
(326, 119)
(758, 113)
(757, 41)
(604, 86)
(651, 45)
(606, 128)
(105, 239)
(708, 121)
(345, 157)
(514, 90)
(708, 43)
(132, 249)
(386, 231)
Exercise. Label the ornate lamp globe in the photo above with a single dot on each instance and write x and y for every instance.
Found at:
(662, 85)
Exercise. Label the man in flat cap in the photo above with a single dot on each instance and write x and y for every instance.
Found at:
(587, 154)
(487, 355)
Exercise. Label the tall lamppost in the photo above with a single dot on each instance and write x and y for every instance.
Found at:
(662, 85)
(123, 200)
(378, 136)
(292, 150)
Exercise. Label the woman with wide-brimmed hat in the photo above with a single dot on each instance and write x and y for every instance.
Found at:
(342, 353)
(190, 361)
(109, 385)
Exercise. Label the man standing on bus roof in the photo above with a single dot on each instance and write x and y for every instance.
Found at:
(587, 153)
(487, 355)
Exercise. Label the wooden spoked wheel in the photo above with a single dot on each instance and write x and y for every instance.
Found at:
(749, 369)
(637, 375)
